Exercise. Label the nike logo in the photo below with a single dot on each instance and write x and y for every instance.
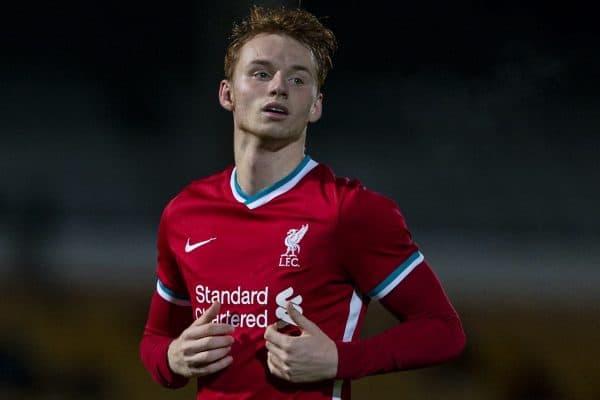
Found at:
(191, 247)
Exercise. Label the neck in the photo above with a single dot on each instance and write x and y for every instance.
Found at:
(259, 166)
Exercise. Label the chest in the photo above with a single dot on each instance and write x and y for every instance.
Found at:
(258, 260)
(212, 246)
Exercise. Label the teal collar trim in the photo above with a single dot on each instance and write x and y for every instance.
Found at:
(276, 189)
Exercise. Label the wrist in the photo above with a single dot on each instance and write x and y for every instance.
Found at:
(350, 360)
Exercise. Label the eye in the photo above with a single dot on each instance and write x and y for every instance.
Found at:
(297, 81)
(262, 75)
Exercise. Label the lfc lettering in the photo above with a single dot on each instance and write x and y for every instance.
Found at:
(288, 261)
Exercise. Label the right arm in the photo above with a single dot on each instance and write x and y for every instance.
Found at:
(174, 347)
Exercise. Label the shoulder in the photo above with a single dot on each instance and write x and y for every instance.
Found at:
(354, 200)
(361, 207)
(199, 191)
(340, 185)
(355, 196)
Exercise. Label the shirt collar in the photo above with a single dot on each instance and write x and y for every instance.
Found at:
(278, 188)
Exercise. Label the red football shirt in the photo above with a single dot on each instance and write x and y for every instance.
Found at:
(324, 243)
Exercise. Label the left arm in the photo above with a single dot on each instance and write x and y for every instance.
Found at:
(378, 252)
(429, 332)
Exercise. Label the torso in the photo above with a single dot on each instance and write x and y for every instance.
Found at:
(255, 260)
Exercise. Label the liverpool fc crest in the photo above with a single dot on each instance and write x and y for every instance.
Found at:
(292, 242)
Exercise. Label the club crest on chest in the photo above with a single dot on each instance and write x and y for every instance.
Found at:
(292, 243)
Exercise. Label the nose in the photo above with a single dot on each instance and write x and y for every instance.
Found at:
(278, 85)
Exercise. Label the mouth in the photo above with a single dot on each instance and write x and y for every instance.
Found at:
(276, 109)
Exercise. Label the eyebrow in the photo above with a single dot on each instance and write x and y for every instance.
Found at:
(266, 63)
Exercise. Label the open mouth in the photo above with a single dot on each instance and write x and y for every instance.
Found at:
(276, 109)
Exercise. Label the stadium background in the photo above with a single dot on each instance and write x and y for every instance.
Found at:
(481, 120)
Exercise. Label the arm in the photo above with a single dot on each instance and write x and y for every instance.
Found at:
(381, 258)
(429, 331)
(174, 347)
(165, 322)
(386, 264)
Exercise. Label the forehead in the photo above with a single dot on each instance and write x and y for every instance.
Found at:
(279, 49)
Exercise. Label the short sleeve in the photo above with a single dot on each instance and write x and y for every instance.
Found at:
(375, 245)
(170, 284)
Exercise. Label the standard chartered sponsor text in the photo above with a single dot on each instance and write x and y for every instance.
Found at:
(237, 296)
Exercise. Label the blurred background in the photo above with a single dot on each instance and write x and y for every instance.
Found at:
(482, 120)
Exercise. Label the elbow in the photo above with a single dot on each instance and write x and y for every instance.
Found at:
(456, 339)
(153, 353)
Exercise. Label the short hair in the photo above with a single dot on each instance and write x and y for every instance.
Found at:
(296, 23)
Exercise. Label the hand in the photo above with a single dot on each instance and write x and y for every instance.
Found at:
(203, 347)
(310, 357)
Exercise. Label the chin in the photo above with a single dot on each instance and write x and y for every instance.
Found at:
(278, 133)
(274, 132)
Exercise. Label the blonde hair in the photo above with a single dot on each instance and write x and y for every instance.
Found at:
(296, 23)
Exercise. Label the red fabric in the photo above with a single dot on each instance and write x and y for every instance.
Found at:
(165, 322)
(429, 331)
(371, 236)
(355, 243)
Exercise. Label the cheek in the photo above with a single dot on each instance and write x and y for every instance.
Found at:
(244, 96)
(309, 110)
(242, 106)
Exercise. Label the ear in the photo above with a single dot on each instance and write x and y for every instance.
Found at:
(316, 109)
(226, 95)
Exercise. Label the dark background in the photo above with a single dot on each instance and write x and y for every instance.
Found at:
(482, 120)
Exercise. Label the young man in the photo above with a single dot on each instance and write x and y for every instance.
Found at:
(265, 269)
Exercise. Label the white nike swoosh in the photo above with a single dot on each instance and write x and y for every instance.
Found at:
(191, 247)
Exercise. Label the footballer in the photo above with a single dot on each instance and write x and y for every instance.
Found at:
(265, 269)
